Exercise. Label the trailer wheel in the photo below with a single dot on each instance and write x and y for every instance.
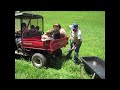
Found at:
(38, 60)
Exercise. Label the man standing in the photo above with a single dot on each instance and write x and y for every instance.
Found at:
(76, 41)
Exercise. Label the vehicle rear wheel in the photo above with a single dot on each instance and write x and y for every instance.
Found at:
(38, 60)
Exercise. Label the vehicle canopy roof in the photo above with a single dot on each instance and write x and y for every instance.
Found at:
(27, 16)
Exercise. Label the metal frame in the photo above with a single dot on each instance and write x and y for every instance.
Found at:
(22, 16)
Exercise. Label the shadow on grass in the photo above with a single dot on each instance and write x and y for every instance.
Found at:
(20, 57)
(55, 63)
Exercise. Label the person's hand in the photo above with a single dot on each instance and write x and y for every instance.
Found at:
(73, 48)
(70, 38)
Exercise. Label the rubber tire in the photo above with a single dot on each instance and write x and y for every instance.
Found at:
(38, 60)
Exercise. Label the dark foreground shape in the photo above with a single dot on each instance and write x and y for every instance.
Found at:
(95, 65)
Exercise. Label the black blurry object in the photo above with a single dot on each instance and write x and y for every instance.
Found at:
(95, 65)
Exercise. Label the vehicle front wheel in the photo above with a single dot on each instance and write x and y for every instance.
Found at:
(38, 60)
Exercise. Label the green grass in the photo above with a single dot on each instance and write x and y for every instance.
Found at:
(92, 26)
(25, 70)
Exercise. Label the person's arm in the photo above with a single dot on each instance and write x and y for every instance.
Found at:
(65, 34)
(71, 35)
(77, 42)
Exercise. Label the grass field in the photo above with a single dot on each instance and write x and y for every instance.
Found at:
(92, 26)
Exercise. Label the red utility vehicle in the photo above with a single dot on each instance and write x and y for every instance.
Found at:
(30, 44)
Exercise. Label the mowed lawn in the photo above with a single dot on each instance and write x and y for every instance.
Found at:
(92, 26)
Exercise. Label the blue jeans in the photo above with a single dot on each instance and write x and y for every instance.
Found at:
(76, 51)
